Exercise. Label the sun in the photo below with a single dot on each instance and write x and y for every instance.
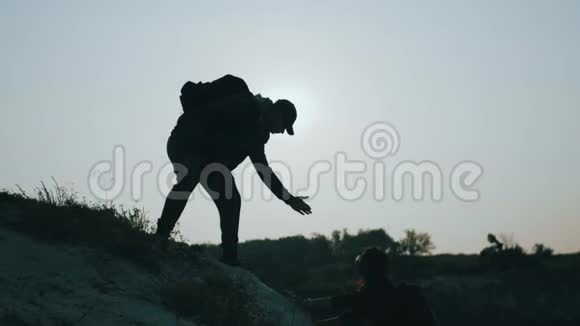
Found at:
(304, 100)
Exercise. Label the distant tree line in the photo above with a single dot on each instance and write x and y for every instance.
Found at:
(505, 253)
(319, 265)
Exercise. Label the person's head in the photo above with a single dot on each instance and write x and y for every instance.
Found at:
(280, 117)
(372, 264)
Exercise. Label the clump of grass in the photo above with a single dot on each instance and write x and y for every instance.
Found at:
(61, 196)
(58, 214)
(58, 195)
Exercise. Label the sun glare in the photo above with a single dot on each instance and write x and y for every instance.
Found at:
(306, 104)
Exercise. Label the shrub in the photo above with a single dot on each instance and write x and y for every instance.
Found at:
(541, 250)
(415, 243)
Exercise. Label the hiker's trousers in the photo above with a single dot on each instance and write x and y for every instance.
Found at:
(219, 183)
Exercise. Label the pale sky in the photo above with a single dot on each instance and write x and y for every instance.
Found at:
(495, 82)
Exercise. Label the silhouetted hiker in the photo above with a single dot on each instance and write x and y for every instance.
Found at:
(222, 124)
(377, 302)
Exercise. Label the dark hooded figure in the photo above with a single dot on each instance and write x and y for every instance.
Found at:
(222, 124)
(377, 302)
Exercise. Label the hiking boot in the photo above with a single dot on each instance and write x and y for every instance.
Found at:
(160, 244)
(230, 261)
(230, 255)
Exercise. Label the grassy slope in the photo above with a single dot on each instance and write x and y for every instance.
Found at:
(186, 282)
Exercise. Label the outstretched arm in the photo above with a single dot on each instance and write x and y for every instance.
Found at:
(341, 303)
(268, 176)
(271, 180)
(324, 303)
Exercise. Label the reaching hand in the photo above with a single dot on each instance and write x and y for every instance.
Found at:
(297, 203)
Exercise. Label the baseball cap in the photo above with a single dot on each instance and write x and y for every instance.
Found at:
(289, 113)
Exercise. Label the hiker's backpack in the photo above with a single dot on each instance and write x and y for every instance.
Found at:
(414, 310)
(196, 95)
(217, 114)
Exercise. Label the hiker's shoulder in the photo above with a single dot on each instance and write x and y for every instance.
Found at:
(414, 306)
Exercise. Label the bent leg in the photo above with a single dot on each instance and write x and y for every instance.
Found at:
(187, 178)
(221, 186)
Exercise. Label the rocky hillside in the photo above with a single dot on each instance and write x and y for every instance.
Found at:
(65, 262)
